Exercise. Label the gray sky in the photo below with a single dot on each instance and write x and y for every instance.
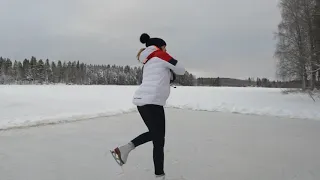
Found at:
(226, 38)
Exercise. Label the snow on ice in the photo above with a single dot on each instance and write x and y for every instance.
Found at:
(33, 105)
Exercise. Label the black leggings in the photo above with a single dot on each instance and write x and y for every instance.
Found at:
(154, 117)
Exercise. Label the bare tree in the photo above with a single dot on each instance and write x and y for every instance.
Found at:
(307, 20)
(316, 25)
(291, 49)
(296, 50)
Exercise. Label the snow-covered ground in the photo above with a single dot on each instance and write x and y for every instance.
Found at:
(199, 146)
(32, 105)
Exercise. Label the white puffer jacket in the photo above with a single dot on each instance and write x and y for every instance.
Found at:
(155, 86)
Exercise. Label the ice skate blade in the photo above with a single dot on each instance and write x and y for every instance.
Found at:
(117, 159)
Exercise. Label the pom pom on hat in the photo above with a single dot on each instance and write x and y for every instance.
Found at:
(144, 38)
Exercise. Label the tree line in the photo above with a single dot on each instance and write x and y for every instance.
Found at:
(250, 82)
(36, 71)
(298, 45)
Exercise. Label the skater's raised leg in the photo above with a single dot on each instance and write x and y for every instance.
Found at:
(146, 113)
(123, 151)
(142, 139)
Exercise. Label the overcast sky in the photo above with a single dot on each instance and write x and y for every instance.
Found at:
(226, 38)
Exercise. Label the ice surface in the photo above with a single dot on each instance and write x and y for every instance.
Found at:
(199, 146)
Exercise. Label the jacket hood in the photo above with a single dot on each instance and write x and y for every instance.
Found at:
(145, 53)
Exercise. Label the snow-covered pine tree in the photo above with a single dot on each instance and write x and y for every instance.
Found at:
(55, 73)
(83, 79)
(27, 74)
(40, 72)
(9, 72)
(78, 73)
(48, 72)
(20, 74)
(33, 67)
(64, 73)
(15, 71)
(2, 70)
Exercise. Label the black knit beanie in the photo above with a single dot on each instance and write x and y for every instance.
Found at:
(145, 39)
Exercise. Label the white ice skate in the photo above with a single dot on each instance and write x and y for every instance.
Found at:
(120, 154)
(160, 177)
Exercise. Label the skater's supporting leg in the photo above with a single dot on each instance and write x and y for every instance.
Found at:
(158, 136)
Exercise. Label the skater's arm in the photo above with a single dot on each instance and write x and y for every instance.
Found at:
(176, 67)
(172, 63)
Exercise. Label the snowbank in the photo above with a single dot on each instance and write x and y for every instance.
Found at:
(255, 101)
(32, 105)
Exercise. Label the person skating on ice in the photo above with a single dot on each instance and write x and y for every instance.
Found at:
(159, 70)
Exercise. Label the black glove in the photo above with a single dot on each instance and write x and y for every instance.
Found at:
(173, 76)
